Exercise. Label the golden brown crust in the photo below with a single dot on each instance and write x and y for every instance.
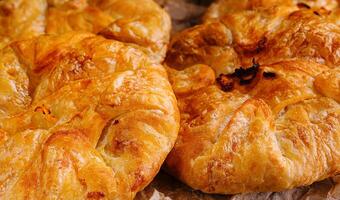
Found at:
(273, 124)
(270, 135)
(209, 44)
(328, 83)
(143, 23)
(269, 35)
(21, 19)
(220, 7)
(82, 117)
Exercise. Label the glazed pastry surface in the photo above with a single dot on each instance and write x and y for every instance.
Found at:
(258, 90)
(143, 23)
(82, 117)
(266, 34)
(220, 7)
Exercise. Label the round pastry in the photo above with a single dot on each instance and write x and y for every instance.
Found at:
(270, 125)
(143, 23)
(82, 117)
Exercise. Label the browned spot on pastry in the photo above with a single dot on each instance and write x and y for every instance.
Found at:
(303, 5)
(83, 182)
(30, 179)
(85, 83)
(95, 195)
(12, 72)
(255, 48)
(261, 45)
(316, 13)
(120, 145)
(234, 146)
(52, 57)
(139, 179)
(246, 75)
(42, 109)
(226, 83)
(269, 75)
(115, 122)
(7, 9)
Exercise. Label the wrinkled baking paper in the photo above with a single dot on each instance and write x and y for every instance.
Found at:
(164, 187)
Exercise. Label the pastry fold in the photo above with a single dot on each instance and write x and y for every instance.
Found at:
(258, 90)
(82, 117)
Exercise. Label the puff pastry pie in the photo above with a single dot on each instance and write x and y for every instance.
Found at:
(82, 117)
(142, 22)
(273, 123)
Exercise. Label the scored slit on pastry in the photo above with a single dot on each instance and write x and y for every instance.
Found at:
(258, 90)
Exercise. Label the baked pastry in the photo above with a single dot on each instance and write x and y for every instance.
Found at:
(82, 117)
(143, 23)
(270, 125)
(266, 34)
(220, 7)
(301, 30)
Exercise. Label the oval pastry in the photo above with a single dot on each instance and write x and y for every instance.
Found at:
(82, 117)
(270, 125)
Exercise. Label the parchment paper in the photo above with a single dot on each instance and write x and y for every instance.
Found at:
(164, 187)
(184, 13)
